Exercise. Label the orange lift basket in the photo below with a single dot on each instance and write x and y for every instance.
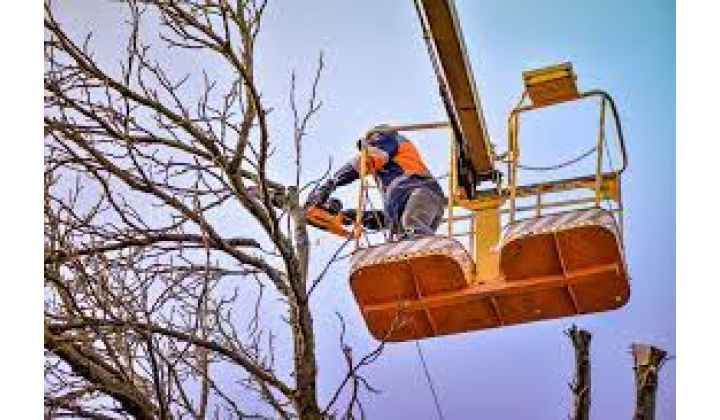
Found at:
(565, 259)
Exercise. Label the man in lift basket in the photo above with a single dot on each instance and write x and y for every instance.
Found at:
(414, 201)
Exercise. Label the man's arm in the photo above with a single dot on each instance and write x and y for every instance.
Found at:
(347, 174)
(379, 153)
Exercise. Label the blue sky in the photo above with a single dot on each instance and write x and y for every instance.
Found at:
(377, 70)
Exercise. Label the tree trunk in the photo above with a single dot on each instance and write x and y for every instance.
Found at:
(647, 362)
(306, 368)
(581, 384)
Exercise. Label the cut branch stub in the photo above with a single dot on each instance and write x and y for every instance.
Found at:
(581, 384)
(647, 362)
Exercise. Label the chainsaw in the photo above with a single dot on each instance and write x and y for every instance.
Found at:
(328, 215)
(331, 218)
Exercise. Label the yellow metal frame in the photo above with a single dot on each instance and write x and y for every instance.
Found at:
(441, 28)
(605, 185)
(550, 84)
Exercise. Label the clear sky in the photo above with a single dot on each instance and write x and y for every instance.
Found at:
(377, 70)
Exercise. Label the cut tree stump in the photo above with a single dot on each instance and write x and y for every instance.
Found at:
(581, 384)
(647, 362)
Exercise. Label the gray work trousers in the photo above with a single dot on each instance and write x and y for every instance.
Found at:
(423, 213)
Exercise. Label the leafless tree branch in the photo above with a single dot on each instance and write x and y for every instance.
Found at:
(169, 250)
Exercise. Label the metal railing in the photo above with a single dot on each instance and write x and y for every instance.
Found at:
(513, 201)
(600, 198)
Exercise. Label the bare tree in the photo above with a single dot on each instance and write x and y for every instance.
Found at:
(581, 383)
(159, 301)
(647, 361)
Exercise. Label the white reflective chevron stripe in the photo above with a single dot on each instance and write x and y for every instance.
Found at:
(558, 221)
(515, 227)
(407, 247)
(590, 215)
(544, 223)
(395, 249)
(565, 219)
(400, 247)
(534, 224)
(424, 243)
(374, 253)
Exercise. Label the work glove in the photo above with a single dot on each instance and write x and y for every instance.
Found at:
(370, 219)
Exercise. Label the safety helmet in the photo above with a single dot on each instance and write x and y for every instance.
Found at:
(374, 137)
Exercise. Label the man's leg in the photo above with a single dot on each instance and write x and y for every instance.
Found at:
(423, 212)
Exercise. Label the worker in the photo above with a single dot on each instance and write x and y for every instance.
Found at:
(414, 201)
